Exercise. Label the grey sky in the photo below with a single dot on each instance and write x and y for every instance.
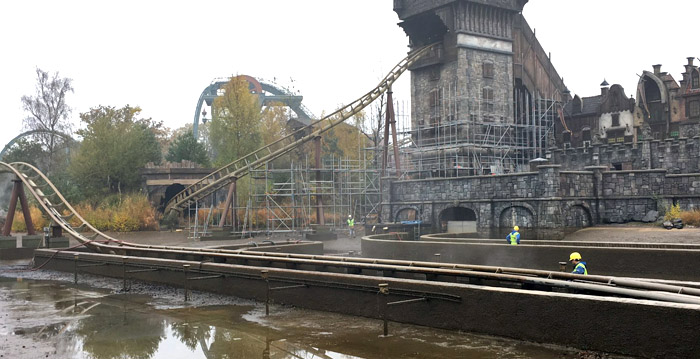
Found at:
(160, 55)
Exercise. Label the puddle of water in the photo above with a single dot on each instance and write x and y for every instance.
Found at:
(58, 319)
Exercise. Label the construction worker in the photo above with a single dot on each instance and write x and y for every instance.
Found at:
(514, 236)
(579, 265)
(351, 225)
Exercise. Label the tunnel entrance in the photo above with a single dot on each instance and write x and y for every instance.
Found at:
(458, 220)
(170, 192)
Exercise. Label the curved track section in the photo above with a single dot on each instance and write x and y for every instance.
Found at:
(242, 166)
(56, 206)
(29, 133)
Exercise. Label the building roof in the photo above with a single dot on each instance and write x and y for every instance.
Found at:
(589, 105)
(669, 81)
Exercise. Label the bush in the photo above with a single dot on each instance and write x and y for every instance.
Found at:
(119, 213)
(673, 212)
(115, 213)
(691, 217)
(170, 221)
(38, 220)
(134, 213)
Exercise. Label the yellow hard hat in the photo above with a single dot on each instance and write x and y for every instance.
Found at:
(516, 228)
(575, 255)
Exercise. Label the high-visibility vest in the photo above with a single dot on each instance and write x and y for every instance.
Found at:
(581, 265)
(514, 238)
(351, 222)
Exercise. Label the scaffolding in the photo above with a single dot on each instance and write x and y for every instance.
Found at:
(467, 137)
(461, 137)
(284, 200)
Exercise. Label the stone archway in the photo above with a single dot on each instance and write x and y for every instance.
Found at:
(517, 215)
(577, 216)
(457, 220)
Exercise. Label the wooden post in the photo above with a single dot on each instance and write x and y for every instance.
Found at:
(230, 200)
(392, 121)
(385, 147)
(18, 192)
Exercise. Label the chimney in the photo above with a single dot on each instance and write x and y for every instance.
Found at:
(690, 61)
(657, 69)
(604, 88)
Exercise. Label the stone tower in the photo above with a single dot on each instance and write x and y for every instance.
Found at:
(477, 87)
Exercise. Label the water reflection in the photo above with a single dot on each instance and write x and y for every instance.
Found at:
(93, 324)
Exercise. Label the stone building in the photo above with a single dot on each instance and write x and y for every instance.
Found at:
(665, 108)
(605, 118)
(484, 99)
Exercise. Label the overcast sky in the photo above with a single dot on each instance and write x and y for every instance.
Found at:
(160, 55)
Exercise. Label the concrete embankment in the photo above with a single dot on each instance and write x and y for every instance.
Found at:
(643, 260)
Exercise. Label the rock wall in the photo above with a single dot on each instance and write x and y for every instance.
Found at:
(549, 199)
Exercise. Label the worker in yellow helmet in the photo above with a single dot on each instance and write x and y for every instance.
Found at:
(579, 265)
(514, 237)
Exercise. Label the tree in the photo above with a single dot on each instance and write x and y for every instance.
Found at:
(115, 146)
(48, 111)
(235, 122)
(185, 147)
(346, 140)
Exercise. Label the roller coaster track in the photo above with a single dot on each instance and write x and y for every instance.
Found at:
(55, 205)
(29, 133)
(62, 213)
(242, 166)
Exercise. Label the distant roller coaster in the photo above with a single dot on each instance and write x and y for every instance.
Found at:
(29, 133)
(267, 94)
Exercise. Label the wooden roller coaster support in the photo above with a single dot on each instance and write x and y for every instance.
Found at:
(18, 192)
(230, 204)
(320, 217)
(391, 119)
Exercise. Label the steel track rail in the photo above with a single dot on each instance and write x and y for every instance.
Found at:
(442, 275)
(603, 284)
(242, 166)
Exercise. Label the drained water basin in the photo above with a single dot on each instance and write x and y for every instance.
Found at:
(45, 315)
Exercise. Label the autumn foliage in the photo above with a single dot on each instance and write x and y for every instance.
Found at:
(130, 213)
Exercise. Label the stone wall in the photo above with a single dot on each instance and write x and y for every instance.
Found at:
(680, 155)
(549, 199)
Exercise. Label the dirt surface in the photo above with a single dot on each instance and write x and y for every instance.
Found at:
(633, 232)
